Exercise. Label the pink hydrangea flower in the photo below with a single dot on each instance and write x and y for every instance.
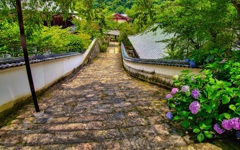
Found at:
(174, 91)
(194, 107)
(168, 96)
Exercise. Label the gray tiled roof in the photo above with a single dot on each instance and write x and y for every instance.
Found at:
(113, 32)
(19, 61)
(148, 44)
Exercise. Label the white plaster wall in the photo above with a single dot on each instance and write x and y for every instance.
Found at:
(14, 82)
(160, 69)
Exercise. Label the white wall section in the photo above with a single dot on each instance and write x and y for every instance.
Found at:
(14, 82)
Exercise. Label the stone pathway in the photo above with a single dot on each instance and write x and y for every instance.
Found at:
(100, 107)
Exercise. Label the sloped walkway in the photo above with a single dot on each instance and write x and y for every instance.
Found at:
(100, 107)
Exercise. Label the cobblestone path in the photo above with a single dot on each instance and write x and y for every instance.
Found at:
(100, 107)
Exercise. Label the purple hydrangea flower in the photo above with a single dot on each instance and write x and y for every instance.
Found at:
(187, 60)
(168, 96)
(174, 91)
(169, 115)
(238, 134)
(192, 64)
(194, 107)
(236, 123)
(195, 93)
(227, 124)
(218, 129)
(185, 88)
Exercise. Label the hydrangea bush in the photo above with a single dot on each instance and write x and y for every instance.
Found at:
(206, 105)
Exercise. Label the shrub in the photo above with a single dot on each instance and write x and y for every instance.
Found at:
(103, 47)
(57, 40)
(10, 39)
(206, 105)
(75, 44)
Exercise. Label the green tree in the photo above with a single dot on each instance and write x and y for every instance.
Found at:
(143, 13)
(9, 38)
(199, 26)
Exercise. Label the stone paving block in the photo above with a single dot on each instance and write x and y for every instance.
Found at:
(64, 127)
(156, 119)
(16, 121)
(53, 147)
(112, 145)
(131, 131)
(132, 114)
(86, 118)
(139, 143)
(124, 109)
(10, 140)
(59, 120)
(126, 144)
(148, 132)
(118, 116)
(97, 125)
(38, 139)
(86, 146)
(135, 122)
(177, 140)
(10, 127)
(102, 135)
(162, 129)
(122, 104)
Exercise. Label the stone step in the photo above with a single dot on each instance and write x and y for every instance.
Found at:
(103, 139)
(75, 124)
(153, 135)
(60, 137)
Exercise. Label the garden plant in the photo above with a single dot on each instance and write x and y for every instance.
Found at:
(207, 104)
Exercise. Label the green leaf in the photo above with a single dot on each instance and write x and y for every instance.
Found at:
(225, 99)
(208, 134)
(209, 121)
(204, 126)
(188, 93)
(238, 77)
(196, 130)
(226, 84)
(176, 118)
(172, 105)
(184, 113)
(224, 116)
(232, 107)
(200, 137)
(185, 124)
(208, 108)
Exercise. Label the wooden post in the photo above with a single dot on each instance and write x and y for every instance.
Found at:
(24, 46)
